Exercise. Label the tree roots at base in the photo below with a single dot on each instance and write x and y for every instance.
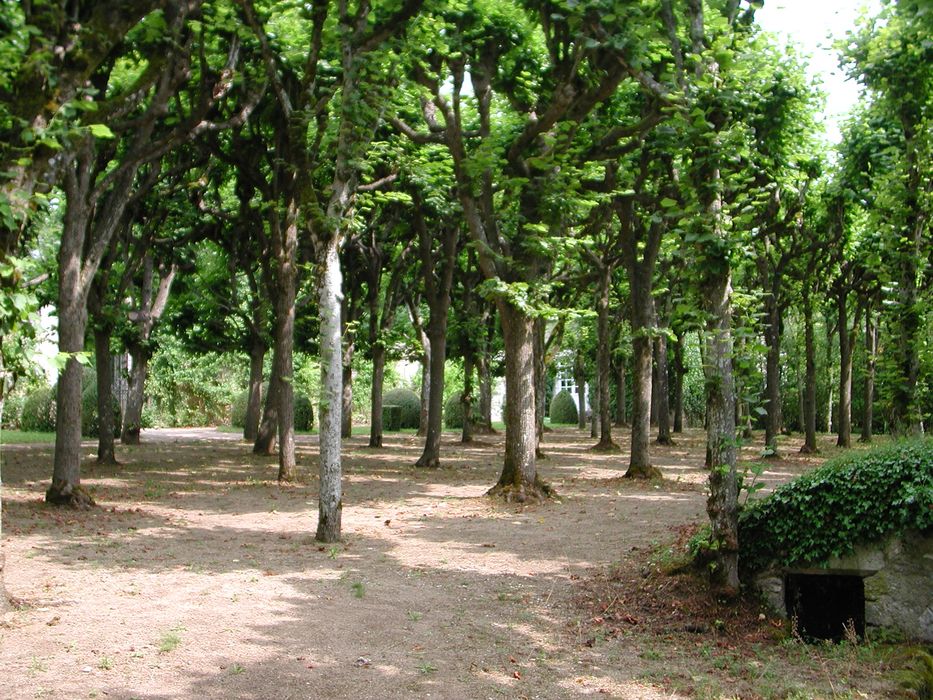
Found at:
(523, 493)
(605, 447)
(68, 495)
(648, 472)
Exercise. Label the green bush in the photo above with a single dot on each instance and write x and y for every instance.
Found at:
(563, 408)
(304, 410)
(13, 411)
(304, 413)
(856, 498)
(453, 412)
(408, 402)
(38, 413)
(89, 424)
(238, 409)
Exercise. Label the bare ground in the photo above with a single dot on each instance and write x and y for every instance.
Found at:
(199, 577)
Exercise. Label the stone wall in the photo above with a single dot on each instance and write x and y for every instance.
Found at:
(898, 578)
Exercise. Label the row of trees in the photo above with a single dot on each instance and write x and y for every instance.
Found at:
(307, 170)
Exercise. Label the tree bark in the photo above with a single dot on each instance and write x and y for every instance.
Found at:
(519, 478)
(257, 356)
(379, 370)
(908, 316)
(106, 453)
(679, 371)
(466, 398)
(66, 486)
(346, 399)
(425, 361)
(136, 393)
(540, 386)
(772, 333)
(603, 344)
(285, 248)
(722, 504)
(620, 393)
(437, 336)
(662, 394)
(485, 393)
(844, 423)
(269, 425)
(809, 381)
(330, 500)
(871, 348)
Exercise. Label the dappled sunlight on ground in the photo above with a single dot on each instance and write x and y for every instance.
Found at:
(198, 575)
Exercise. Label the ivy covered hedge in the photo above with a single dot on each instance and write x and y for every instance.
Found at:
(856, 498)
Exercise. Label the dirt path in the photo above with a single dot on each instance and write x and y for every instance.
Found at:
(198, 576)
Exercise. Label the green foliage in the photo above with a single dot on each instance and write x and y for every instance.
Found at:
(238, 409)
(453, 412)
(409, 403)
(304, 412)
(563, 409)
(186, 389)
(852, 499)
(89, 421)
(38, 413)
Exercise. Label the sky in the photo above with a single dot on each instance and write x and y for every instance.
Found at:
(809, 23)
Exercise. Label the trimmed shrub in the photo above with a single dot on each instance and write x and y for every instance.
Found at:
(90, 426)
(825, 513)
(39, 411)
(563, 409)
(408, 403)
(304, 413)
(453, 412)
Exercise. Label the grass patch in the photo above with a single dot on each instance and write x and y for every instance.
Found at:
(25, 437)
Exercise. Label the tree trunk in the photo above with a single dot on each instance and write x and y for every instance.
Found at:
(871, 347)
(105, 418)
(135, 394)
(662, 394)
(772, 333)
(286, 250)
(269, 425)
(485, 393)
(66, 486)
(466, 398)
(437, 337)
(722, 504)
(519, 479)
(844, 435)
(579, 378)
(809, 381)
(379, 370)
(149, 311)
(679, 372)
(620, 393)
(4, 596)
(257, 356)
(604, 342)
(642, 325)
(540, 386)
(346, 400)
(909, 311)
(330, 500)
(425, 360)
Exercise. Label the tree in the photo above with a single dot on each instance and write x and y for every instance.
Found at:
(891, 56)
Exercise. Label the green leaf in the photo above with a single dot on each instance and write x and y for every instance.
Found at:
(101, 131)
